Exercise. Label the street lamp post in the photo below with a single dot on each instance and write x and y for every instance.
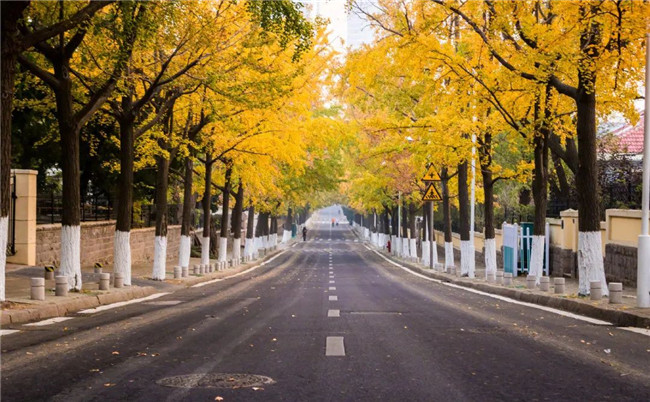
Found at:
(643, 256)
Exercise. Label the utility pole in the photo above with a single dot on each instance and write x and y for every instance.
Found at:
(643, 255)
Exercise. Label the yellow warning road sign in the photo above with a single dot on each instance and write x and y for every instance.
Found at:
(431, 194)
(431, 175)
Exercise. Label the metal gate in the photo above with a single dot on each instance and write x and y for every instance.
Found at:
(11, 235)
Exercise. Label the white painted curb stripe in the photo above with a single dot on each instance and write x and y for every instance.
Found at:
(334, 346)
(499, 297)
(49, 321)
(334, 313)
(4, 332)
(120, 304)
(198, 285)
(641, 331)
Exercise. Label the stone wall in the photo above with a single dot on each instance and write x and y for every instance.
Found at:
(97, 243)
(621, 264)
(563, 262)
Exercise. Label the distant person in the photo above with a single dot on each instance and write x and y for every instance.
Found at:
(304, 233)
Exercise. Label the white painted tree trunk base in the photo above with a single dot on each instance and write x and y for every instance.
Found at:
(286, 236)
(184, 250)
(435, 252)
(71, 255)
(449, 255)
(405, 247)
(590, 262)
(223, 249)
(236, 249)
(4, 234)
(413, 248)
(426, 253)
(537, 258)
(249, 247)
(466, 256)
(490, 255)
(122, 255)
(159, 258)
(205, 250)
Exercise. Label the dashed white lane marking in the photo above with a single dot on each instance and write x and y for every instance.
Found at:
(334, 313)
(641, 331)
(332, 281)
(334, 346)
(334, 298)
(49, 321)
(120, 304)
(332, 288)
(4, 332)
(198, 285)
(498, 297)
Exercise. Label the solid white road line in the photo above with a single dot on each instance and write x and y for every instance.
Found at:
(198, 285)
(334, 346)
(499, 297)
(49, 321)
(120, 304)
(4, 332)
(334, 298)
(332, 288)
(641, 331)
(334, 313)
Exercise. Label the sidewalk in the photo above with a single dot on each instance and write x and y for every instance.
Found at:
(19, 308)
(625, 314)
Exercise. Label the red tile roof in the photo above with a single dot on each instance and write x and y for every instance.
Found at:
(631, 137)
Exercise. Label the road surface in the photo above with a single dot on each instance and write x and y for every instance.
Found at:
(327, 320)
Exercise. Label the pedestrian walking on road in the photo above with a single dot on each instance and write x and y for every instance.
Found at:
(304, 233)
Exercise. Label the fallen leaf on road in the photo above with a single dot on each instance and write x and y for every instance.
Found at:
(94, 370)
(155, 354)
(218, 398)
(274, 340)
(109, 384)
(608, 351)
(257, 389)
(115, 353)
(141, 354)
(28, 353)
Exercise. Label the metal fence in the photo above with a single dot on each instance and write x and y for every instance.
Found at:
(49, 209)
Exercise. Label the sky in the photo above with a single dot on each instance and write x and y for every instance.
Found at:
(346, 29)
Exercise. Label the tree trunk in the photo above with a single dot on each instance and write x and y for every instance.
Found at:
(223, 240)
(540, 189)
(590, 258)
(446, 216)
(237, 221)
(71, 194)
(489, 251)
(160, 242)
(249, 246)
(121, 243)
(11, 13)
(188, 207)
(463, 209)
(288, 225)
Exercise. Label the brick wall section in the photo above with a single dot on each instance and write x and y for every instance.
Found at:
(97, 243)
(621, 264)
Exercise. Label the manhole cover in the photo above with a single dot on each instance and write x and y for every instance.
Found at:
(216, 380)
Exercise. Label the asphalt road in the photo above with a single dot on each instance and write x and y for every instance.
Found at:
(404, 338)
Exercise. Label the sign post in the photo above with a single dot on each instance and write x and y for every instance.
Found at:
(431, 195)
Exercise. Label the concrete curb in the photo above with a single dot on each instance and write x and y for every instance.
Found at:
(617, 317)
(54, 308)
(47, 310)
